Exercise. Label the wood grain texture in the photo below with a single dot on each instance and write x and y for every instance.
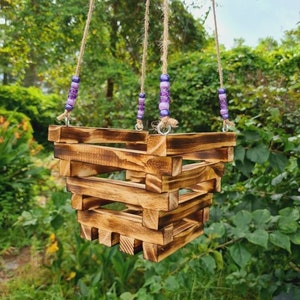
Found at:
(224, 154)
(191, 175)
(108, 238)
(130, 245)
(186, 234)
(121, 191)
(119, 158)
(93, 135)
(124, 224)
(155, 220)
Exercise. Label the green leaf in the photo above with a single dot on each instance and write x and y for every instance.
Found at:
(208, 263)
(295, 238)
(239, 254)
(290, 212)
(245, 167)
(258, 237)
(216, 230)
(57, 222)
(251, 135)
(239, 153)
(258, 154)
(127, 296)
(261, 217)
(218, 259)
(287, 225)
(280, 240)
(278, 161)
(242, 219)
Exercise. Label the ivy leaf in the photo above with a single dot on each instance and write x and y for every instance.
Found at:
(261, 217)
(280, 240)
(295, 238)
(287, 225)
(258, 154)
(258, 237)
(242, 219)
(292, 213)
(239, 254)
(245, 167)
(239, 153)
(278, 161)
(216, 230)
(208, 264)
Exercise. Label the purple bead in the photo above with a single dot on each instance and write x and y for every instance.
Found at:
(142, 95)
(165, 85)
(164, 93)
(141, 107)
(75, 85)
(164, 99)
(223, 104)
(75, 79)
(140, 114)
(164, 113)
(68, 107)
(141, 101)
(164, 106)
(164, 77)
(71, 101)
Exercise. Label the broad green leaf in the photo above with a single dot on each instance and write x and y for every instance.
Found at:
(242, 219)
(251, 135)
(278, 161)
(239, 153)
(287, 225)
(219, 259)
(280, 240)
(245, 167)
(208, 263)
(127, 296)
(239, 232)
(295, 237)
(258, 154)
(171, 283)
(216, 230)
(261, 217)
(239, 254)
(57, 222)
(292, 213)
(258, 237)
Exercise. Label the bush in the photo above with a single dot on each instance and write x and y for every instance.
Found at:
(19, 177)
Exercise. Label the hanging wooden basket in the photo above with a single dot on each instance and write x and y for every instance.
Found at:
(164, 199)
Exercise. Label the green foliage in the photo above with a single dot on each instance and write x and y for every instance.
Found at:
(19, 177)
(34, 104)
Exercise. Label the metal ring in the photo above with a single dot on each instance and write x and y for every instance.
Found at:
(225, 128)
(67, 121)
(138, 128)
(162, 131)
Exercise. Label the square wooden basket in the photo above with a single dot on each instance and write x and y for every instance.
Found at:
(162, 201)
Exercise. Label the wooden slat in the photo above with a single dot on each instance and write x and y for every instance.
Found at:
(124, 224)
(70, 134)
(119, 158)
(124, 192)
(130, 245)
(157, 253)
(89, 233)
(108, 238)
(177, 144)
(155, 220)
(80, 202)
(80, 169)
(191, 175)
(224, 154)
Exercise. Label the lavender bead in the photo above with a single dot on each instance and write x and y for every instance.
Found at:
(75, 79)
(164, 106)
(164, 77)
(73, 92)
(223, 104)
(141, 106)
(164, 113)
